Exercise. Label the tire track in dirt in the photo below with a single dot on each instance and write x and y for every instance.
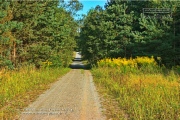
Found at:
(72, 97)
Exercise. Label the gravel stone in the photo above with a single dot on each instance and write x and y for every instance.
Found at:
(72, 97)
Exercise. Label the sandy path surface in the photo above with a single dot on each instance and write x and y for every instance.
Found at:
(72, 97)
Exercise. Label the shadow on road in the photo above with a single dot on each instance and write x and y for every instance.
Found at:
(77, 63)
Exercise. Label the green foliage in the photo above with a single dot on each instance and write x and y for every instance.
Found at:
(56, 61)
(90, 37)
(19, 87)
(35, 31)
(6, 63)
(142, 94)
(72, 6)
(122, 30)
(7, 40)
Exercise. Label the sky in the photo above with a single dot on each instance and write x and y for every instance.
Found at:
(88, 4)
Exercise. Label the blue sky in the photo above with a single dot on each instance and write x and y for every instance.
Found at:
(88, 4)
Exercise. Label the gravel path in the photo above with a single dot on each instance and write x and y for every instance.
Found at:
(73, 97)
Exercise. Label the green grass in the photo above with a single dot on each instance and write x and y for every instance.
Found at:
(19, 88)
(141, 93)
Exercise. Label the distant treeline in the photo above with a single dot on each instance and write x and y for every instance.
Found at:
(129, 29)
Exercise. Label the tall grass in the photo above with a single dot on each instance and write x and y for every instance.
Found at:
(18, 84)
(141, 88)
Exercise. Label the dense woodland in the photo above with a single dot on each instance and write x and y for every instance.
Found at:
(34, 32)
(122, 30)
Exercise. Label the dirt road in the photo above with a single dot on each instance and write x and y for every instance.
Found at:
(72, 97)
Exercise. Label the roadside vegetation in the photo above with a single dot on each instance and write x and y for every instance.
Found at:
(33, 32)
(37, 40)
(142, 89)
(21, 87)
(122, 29)
(119, 41)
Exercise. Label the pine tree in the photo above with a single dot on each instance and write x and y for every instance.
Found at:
(121, 19)
(92, 36)
(123, 30)
(8, 41)
(106, 33)
(157, 36)
(48, 32)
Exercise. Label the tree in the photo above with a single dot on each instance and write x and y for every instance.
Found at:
(106, 33)
(37, 31)
(122, 30)
(121, 19)
(7, 40)
(92, 35)
(157, 35)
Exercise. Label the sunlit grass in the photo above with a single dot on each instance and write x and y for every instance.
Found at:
(143, 92)
(15, 86)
